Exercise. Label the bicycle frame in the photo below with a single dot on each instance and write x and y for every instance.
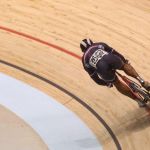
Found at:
(131, 85)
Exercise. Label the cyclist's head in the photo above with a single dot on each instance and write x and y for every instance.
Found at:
(85, 44)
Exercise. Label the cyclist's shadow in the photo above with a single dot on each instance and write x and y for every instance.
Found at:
(140, 121)
(132, 121)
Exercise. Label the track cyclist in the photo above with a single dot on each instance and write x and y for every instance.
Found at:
(101, 61)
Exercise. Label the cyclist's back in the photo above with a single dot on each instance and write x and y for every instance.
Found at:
(104, 60)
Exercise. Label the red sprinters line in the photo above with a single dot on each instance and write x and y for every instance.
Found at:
(40, 41)
(57, 86)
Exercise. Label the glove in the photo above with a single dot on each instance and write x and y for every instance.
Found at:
(127, 61)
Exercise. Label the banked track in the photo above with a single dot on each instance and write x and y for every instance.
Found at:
(101, 120)
(126, 28)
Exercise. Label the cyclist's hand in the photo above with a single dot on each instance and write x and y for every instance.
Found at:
(127, 61)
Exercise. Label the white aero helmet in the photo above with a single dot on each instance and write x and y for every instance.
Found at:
(85, 44)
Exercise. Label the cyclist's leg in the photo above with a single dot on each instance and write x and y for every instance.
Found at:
(123, 89)
(106, 69)
(129, 70)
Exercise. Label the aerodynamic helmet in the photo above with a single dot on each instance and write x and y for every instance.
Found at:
(85, 44)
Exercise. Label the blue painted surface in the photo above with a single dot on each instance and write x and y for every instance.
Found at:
(59, 128)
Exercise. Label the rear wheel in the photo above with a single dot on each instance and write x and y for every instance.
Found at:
(141, 92)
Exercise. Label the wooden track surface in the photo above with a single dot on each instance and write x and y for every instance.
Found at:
(123, 24)
(16, 134)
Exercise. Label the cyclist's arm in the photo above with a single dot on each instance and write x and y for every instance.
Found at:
(113, 51)
(93, 74)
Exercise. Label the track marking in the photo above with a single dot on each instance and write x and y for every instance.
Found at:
(116, 141)
(40, 41)
(59, 128)
(100, 119)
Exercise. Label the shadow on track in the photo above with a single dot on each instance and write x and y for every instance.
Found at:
(135, 120)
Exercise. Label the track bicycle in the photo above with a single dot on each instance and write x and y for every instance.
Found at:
(135, 88)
